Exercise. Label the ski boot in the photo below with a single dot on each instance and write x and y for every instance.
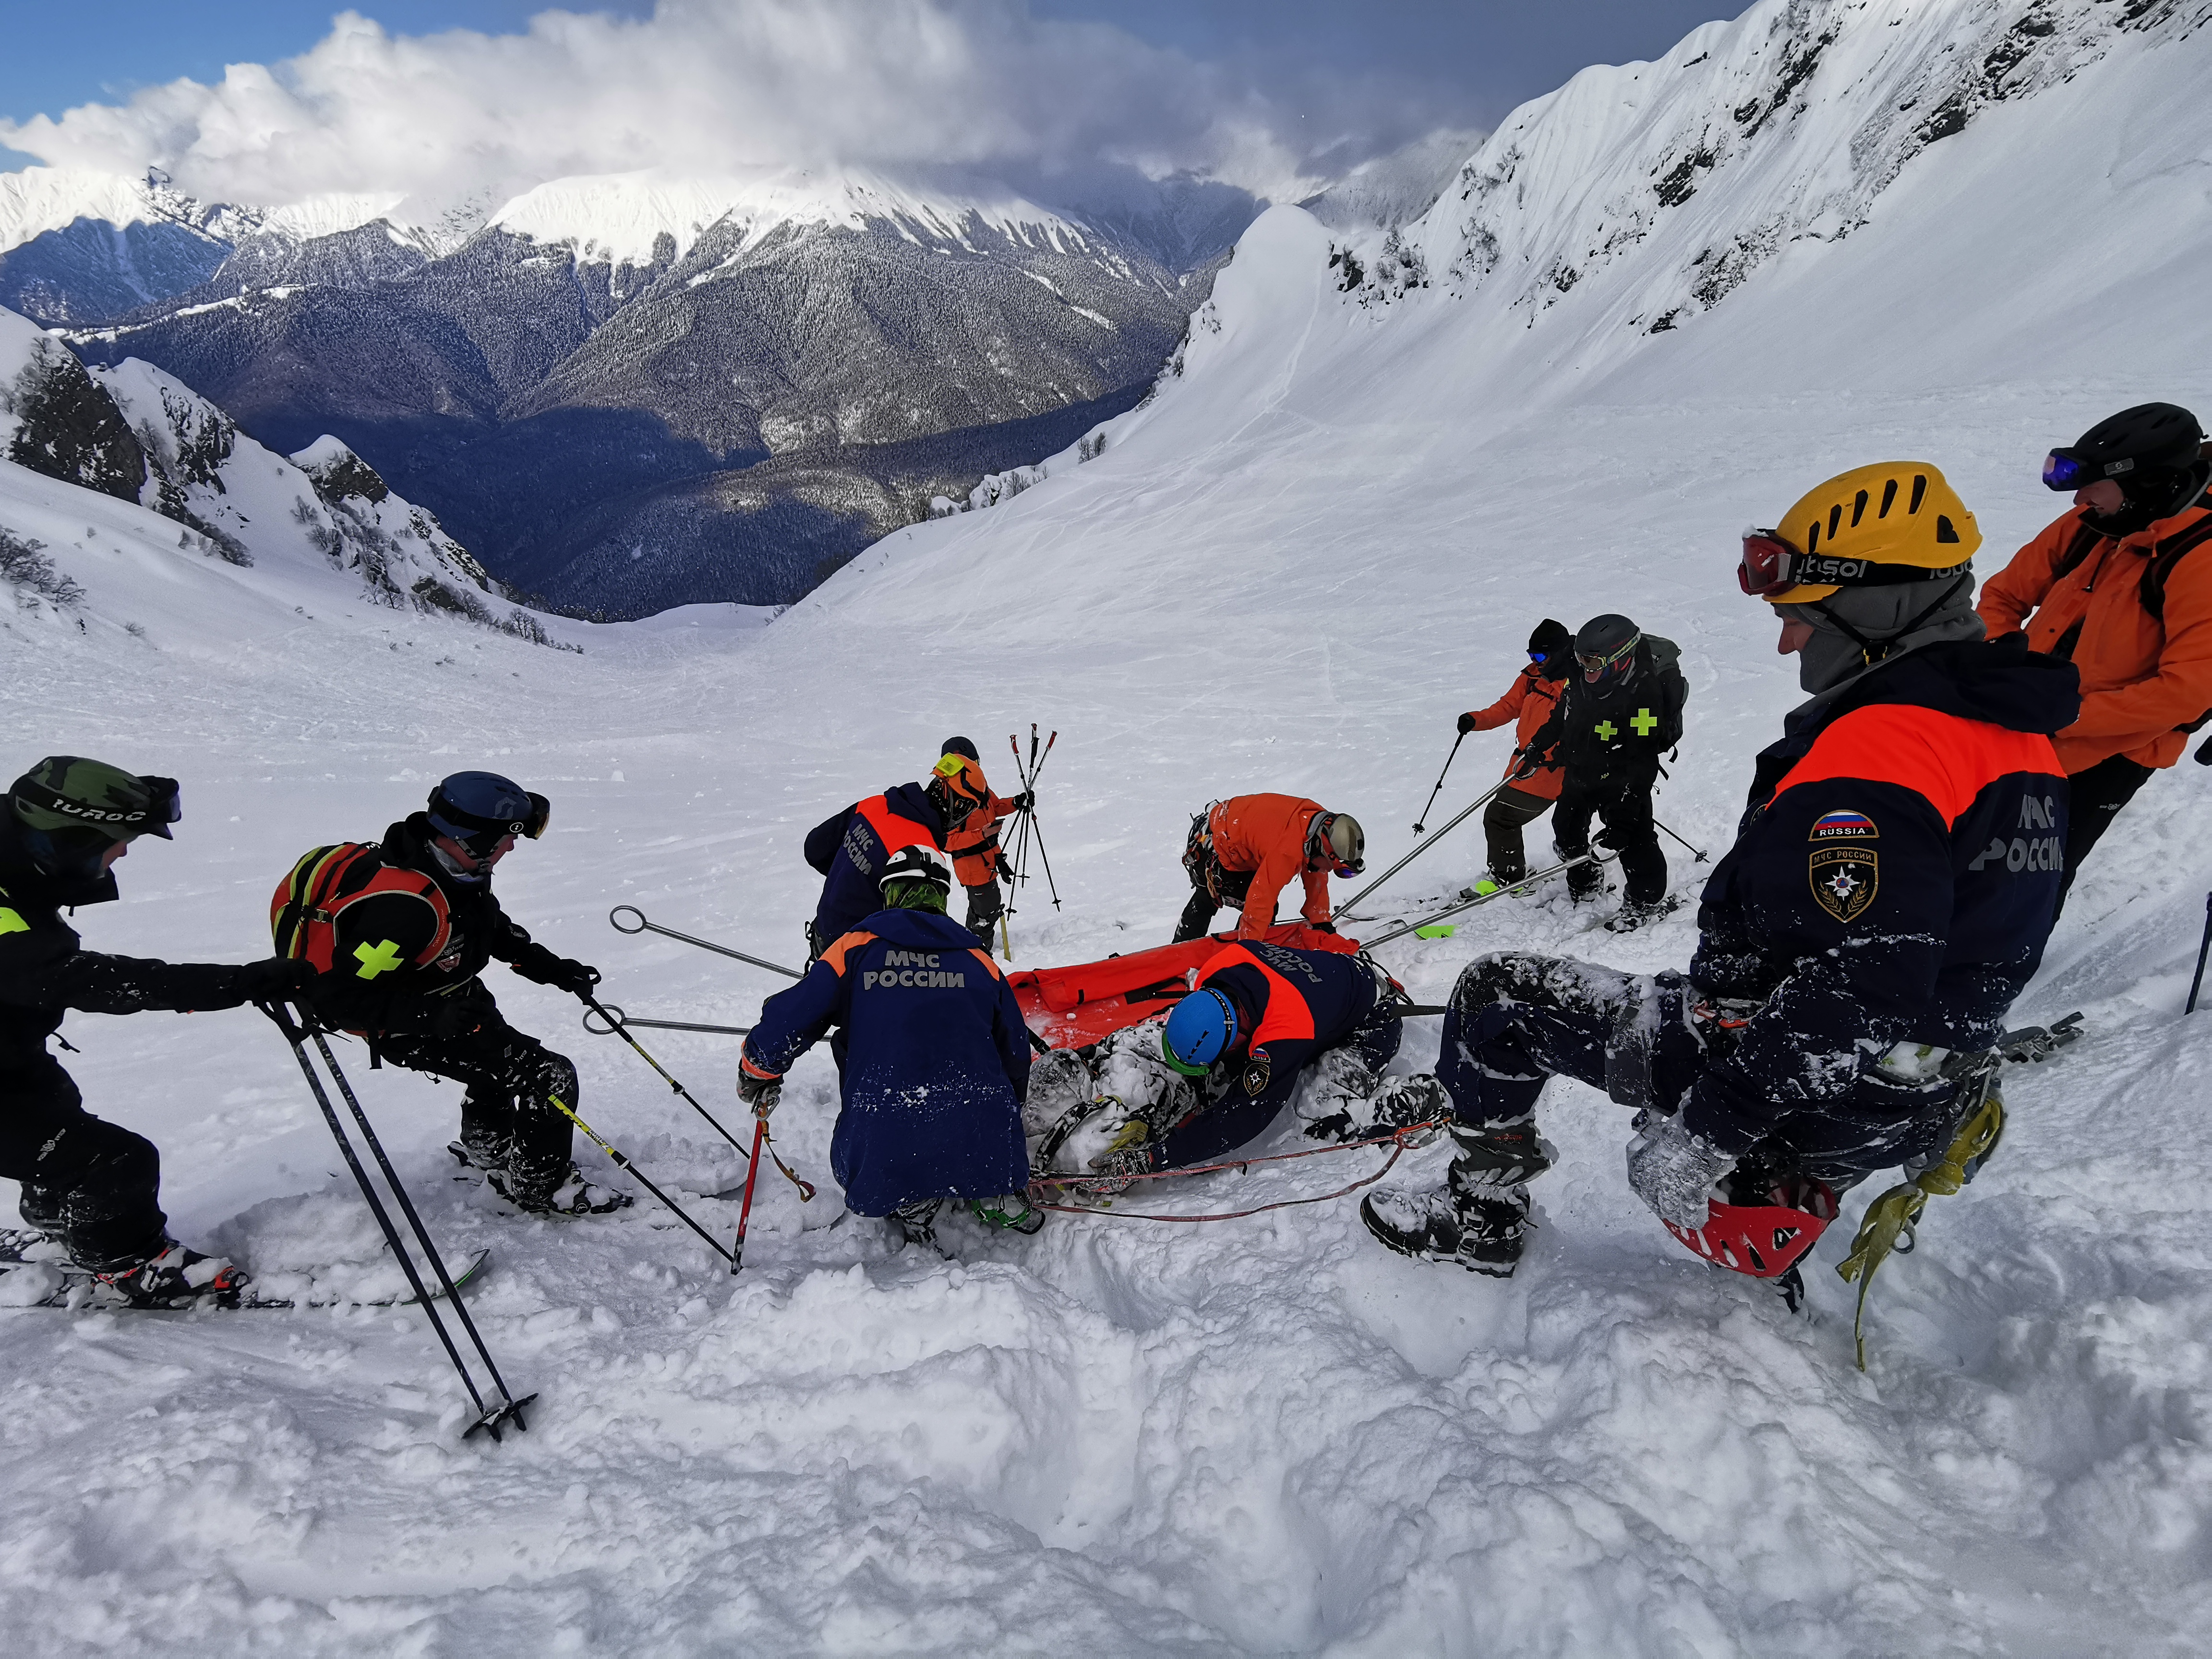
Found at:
(565, 1197)
(481, 1151)
(1104, 1136)
(176, 1278)
(1482, 1234)
(1010, 1212)
(1635, 913)
(1479, 1216)
(916, 1224)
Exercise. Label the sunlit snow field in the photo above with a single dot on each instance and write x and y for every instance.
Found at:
(1290, 573)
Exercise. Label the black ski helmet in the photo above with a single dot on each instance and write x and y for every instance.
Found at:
(481, 809)
(960, 746)
(1606, 645)
(1549, 638)
(2153, 452)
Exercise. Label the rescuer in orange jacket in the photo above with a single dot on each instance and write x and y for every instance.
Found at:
(2119, 586)
(974, 842)
(1245, 850)
(1529, 701)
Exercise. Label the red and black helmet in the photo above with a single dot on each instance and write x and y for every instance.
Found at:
(1765, 1237)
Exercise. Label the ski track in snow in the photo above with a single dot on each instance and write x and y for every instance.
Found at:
(1264, 1436)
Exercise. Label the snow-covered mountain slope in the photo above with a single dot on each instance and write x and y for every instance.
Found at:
(1323, 538)
(131, 432)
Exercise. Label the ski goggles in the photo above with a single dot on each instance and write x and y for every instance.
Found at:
(1768, 564)
(1596, 664)
(2064, 470)
(164, 806)
(953, 769)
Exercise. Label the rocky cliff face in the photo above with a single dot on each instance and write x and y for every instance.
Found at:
(54, 419)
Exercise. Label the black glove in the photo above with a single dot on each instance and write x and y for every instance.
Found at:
(576, 978)
(1023, 802)
(1466, 724)
(1527, 765)
(761, 1093)
(1322, 927)
(278, 979)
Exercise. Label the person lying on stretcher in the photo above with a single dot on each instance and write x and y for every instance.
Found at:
(1229, 1057)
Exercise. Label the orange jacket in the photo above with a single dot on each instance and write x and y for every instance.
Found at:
(1267, 834)
(2142, 682)
(1531, 697)
(974, 844)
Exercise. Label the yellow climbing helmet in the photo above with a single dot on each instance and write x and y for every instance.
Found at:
(1895, 521)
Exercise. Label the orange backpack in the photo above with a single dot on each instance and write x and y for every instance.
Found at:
(303, 915)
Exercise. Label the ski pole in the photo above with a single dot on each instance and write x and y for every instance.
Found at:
(2199, 982)
(645, 927)
(1406, 928)
(1698, 851)
(1420, 827)
(659, 1024)
(613, 1017)
(490, 1419)
(1420, 847)
(642, 1179)
(745, 1210)
(1046, 858)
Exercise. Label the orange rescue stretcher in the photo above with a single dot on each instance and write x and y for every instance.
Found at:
(1076, 1006)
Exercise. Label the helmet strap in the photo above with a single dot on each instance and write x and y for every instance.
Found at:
(1874, 651)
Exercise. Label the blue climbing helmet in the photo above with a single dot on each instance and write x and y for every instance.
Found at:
(1201, 1028)
(481, 809)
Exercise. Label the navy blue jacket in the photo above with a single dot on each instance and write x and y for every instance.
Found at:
(933, 1060)
(849, 848)
(1291, 1005)
(1893, 880)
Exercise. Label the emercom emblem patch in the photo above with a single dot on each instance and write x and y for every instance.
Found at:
(1844, 866)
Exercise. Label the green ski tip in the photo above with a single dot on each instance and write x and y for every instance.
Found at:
(1435, 930)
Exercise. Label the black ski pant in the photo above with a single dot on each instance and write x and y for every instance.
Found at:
(509, 1122)
(986, 904)
(1219, 887)
(87, 1183)
(1624, 803)
(1517, 1019)
(1502, 821)
(2095, 799)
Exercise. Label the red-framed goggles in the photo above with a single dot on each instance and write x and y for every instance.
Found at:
(1768, 565)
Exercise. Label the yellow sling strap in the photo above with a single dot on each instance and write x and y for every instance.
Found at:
(1896, 1214)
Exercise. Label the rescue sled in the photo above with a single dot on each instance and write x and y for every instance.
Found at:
(1074, 1007)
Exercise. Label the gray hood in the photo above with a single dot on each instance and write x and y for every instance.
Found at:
(1832, 658)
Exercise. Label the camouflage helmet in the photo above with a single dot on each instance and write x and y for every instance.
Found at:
(65, 792)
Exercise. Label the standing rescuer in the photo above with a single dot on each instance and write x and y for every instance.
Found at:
(2119, 586)
(1245, 850)
(1889, 892)
(974, 842)
(851, 849)
(89, 1186)
(1529, 701)
(1621, 712)
(404, 927)
(932, 1059)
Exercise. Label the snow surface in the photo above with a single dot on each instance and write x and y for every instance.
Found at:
(1326, 536)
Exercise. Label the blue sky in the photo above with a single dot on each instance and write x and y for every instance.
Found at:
(1457, 62)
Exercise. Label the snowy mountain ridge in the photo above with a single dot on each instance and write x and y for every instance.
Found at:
(1640, 196)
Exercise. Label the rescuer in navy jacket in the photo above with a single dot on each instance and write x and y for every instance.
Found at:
(850, 848)
(933, 1056)
(1262, 1013)
(1889, 894)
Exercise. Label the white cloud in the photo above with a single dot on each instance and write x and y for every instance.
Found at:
(705, 87)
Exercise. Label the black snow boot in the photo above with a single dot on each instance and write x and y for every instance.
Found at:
(1482, 1233)
(564, 1195)
(916, 1224)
